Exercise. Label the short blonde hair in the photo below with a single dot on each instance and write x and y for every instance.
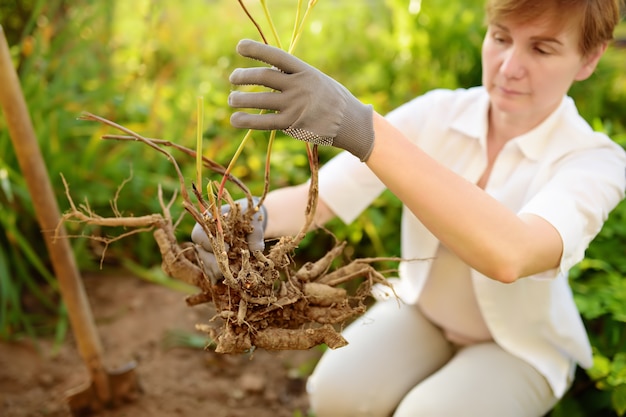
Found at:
(595, 18)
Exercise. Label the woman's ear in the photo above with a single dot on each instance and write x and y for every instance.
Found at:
(590, 62)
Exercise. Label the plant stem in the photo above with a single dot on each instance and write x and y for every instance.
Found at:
(258, 28)
(208, 163)
(199, 129)
(298, 32)
(268, 16)
(296, 27)
(268, 155)
(231, 164)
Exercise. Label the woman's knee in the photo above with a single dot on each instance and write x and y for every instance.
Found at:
(390, 349)
(480, 380)
(331, 400)
(423, 403)
(341, 385)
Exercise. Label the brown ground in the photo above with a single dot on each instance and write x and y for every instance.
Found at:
(134, 319)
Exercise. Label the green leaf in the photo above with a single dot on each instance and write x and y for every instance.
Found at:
(618, 370)
(618, 399)
(601, 367)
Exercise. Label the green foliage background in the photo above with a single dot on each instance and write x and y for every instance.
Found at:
(143, 64)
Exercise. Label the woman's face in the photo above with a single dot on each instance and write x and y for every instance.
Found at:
(528, 68)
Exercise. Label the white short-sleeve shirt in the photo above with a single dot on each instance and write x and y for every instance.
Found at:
(562, 171)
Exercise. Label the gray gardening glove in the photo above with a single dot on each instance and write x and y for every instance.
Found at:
(255, 239)
(309, 105)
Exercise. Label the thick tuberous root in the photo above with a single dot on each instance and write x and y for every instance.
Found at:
(294, 315)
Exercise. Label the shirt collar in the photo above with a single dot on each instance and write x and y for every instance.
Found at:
(472, 122)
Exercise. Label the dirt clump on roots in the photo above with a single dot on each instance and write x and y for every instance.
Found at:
(262, 300)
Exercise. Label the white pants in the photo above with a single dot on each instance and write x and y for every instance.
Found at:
(399, 364)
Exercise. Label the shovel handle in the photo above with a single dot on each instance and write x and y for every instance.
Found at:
(35, 172)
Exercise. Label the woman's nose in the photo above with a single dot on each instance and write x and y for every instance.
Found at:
(513, 63)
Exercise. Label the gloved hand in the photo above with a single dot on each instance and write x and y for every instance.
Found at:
(310, 105)
(255, 238)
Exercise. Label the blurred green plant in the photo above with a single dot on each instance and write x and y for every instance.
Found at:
(143, 64)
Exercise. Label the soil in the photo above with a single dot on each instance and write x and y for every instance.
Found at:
(136, 321)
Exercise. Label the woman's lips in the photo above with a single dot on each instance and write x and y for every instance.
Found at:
(510, 91)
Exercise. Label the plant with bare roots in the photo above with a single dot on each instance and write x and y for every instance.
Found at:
(264, 300)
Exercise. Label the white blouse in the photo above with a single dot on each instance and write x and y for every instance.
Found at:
(562, 171)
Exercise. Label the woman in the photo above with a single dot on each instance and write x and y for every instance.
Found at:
(503, 187)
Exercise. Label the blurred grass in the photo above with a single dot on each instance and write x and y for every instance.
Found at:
(143, 64)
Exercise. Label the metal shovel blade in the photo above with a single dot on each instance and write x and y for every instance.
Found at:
(123, 386)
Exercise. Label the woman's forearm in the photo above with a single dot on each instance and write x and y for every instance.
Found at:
(480, 230)
(286, 211)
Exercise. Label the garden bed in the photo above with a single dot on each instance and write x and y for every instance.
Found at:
(136, 321)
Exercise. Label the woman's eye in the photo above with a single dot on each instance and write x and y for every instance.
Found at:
(541, 51)
(499, 38)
